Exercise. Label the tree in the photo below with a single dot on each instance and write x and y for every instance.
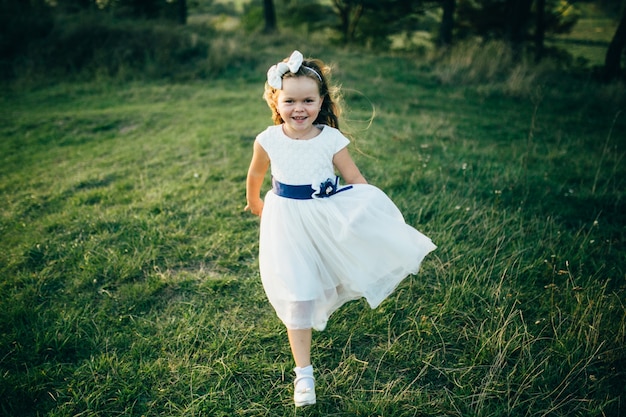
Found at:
(612, 60)
(447, 22)
(517, 21)
(371, 22)
(182, 12)
(269, 12)
(350, 12)
(22, 22)
(540, 29)
(518, 18)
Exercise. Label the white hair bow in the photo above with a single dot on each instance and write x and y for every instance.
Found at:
(276, 72)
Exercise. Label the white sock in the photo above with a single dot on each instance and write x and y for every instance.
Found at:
(305, 383)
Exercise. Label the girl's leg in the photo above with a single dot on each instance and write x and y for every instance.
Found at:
(304, 385)
(300, 342)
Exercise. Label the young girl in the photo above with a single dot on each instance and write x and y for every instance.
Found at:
(321, 244)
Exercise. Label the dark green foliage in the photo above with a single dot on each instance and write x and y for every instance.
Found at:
(22, 23)
(308, 14)
(495, 19)
(97, 44)
(135, 9)
(380, 20)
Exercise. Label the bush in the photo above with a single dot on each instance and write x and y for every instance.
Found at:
(97, 44)
(21, 23)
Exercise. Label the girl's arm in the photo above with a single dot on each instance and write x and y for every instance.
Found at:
(347, 168)
(256, 174)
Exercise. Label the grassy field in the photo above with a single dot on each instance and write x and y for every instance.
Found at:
(129, 273)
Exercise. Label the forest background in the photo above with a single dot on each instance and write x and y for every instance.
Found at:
(128, 273)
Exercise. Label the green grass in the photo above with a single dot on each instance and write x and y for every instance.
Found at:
(129, 273)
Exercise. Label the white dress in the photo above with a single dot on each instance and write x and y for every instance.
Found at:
(317, 254)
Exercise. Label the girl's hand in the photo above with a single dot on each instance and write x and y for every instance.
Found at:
(255, 207)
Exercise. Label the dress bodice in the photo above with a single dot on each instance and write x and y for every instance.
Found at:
(299, 162)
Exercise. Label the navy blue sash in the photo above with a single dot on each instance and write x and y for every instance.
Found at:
(305, 192)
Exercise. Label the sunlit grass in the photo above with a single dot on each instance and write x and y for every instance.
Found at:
(129, 272)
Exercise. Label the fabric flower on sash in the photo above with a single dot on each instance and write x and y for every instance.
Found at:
(328, 187)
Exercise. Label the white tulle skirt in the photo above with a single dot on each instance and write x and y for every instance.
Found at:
(316, 255)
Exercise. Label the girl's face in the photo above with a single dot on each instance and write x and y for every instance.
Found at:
(299, 103)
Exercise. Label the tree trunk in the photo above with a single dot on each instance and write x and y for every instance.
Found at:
(349, 15)
(540, 29)
(613, 57)
(447, 23)
(357, 11)
(518, 15)
(344, 17)
(182, 12)
(270, 16)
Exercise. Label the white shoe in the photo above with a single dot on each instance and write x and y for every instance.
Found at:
(304, 395)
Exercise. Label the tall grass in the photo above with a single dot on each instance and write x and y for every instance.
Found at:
(129, 274)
